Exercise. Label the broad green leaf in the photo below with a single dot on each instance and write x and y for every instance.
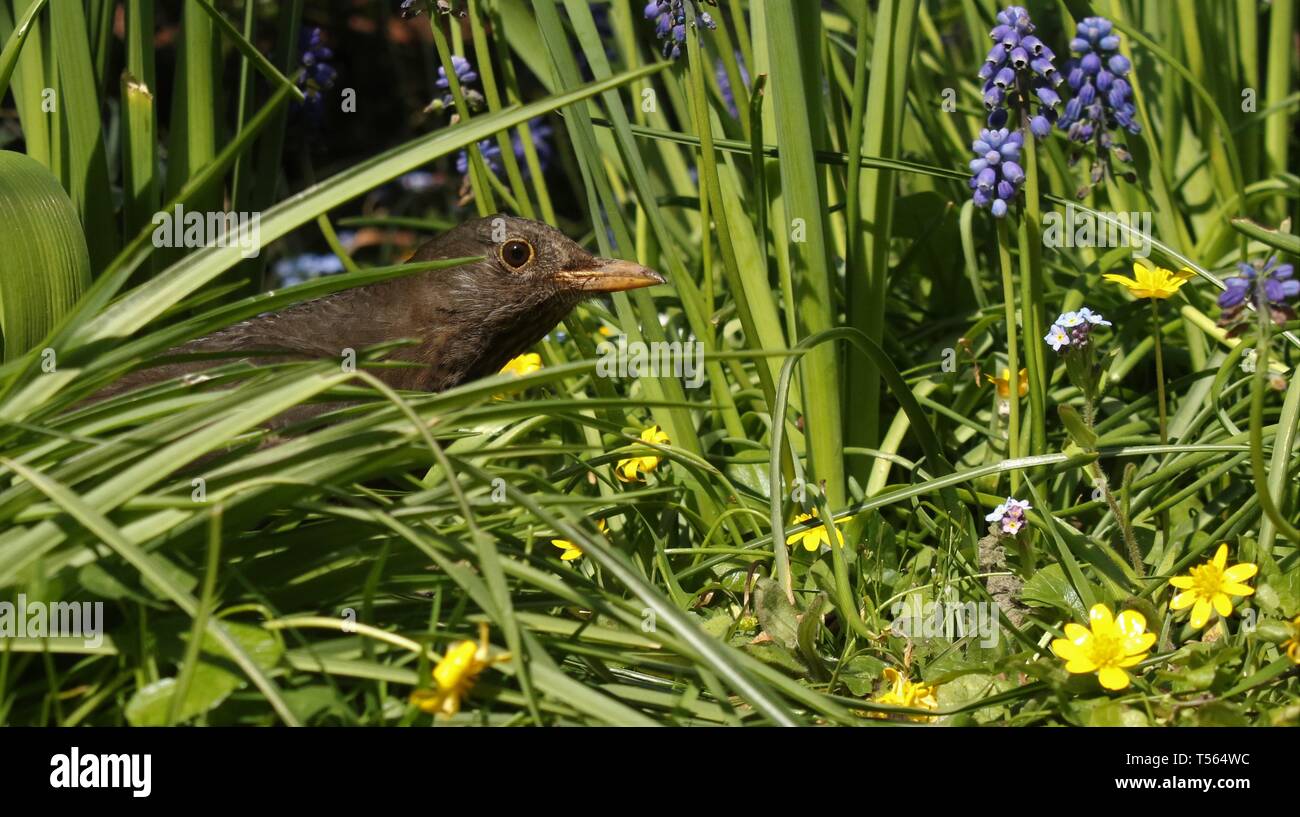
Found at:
(46, 265)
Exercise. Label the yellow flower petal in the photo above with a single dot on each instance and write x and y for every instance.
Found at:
(1113, 678)
(1221, 556)
(1101, 618)
(1234, 589)
(1131, 622)
(1076, 632)
(1200, 613)
(1080, 664)
(1182, 582)
(1240, 572)
(1183, 600)
(1222, 604)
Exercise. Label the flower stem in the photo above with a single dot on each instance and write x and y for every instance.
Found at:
(1013, 354)
(1031, 278)
(1160, 372)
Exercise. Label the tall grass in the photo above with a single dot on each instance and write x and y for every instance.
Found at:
(819, 244)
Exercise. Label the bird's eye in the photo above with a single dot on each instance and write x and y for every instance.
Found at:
(516, 252)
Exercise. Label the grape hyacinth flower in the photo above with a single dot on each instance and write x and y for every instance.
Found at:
(1010, 515)
(996, 173)
(1098, 76)
(315, 74)
(724, 83)
(1018, 73)
(1263, 284)
(1103, 97)
(670, 22)
(541, 134)
(299, 269)
(465, 74)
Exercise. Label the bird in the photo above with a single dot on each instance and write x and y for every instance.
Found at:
(465, 321)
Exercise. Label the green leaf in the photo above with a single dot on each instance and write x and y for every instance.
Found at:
(1049, 587)
(1286, 242)
(1083, 436)
(46, 265)
(777, 616)
(212, 682)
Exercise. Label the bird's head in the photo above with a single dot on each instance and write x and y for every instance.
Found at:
(530, 261)
(530, 276)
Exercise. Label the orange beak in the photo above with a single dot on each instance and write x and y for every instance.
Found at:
(610, 275)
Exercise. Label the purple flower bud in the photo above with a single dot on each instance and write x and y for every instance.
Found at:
(986, 178)
(1104, 80)
(1040, 126)
(999, 208)
(1005, 78)
(1118, 64)
(1013, 173)
(1006, 190)
(1090, 63)
(1019, 58)
(1048, 97)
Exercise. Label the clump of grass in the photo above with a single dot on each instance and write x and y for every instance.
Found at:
(767, 546)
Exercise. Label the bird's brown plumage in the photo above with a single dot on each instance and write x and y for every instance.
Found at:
(466, 321)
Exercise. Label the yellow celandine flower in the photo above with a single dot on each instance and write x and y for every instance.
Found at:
(812, 538)
(456, 673)
(572, 551)
(1150, 281)
(898, 691)
(1292, 644)
(1210, 585)
(1004, 383)
(1113, 643)
(522, 365)
(634, 468)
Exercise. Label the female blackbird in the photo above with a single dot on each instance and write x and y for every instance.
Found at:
(467, 321)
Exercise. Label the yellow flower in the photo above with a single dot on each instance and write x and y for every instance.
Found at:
(898, 691)
(812, 538)
(1292, 644)
(1004, 383)
(522, 365)
(1150, 281)
(572, 551)
(1113, 643)
(634, 468)
(1210, 585)
(456, 673)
